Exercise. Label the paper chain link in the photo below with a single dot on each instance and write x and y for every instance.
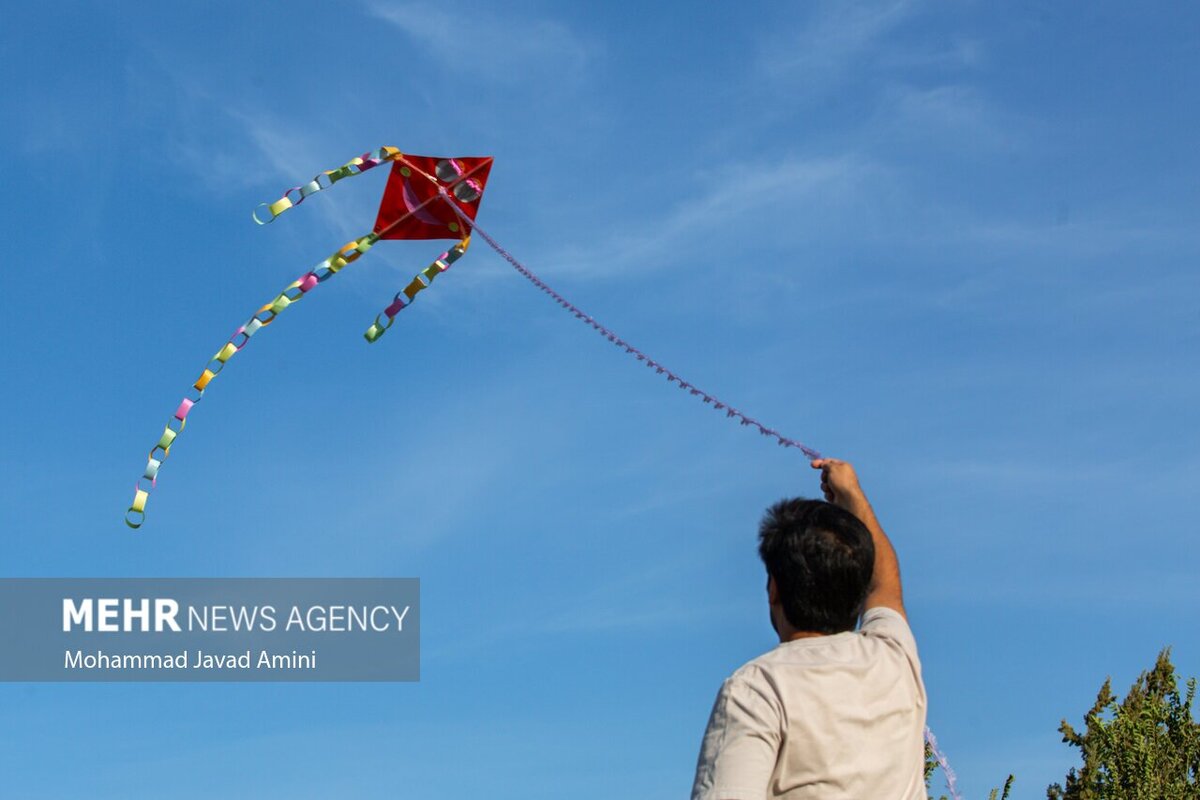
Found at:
(420, 281)
(298, 194)
(296, 290)
(292, 293)
(384, 320)
(731, 412)
(695, 391)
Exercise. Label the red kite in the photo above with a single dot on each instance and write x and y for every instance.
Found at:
(425, 198)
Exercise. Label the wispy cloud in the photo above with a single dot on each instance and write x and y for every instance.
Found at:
(645, 599)
(227, 142)
(952, 115)
(269, 155)
(493, 48)
(1062, 475)
(1095, 237)
(738, 198)
(823, 49)
(957, 53)
(1087, 591)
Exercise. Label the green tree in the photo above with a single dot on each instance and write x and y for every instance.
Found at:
(1145, 747)
(931, 764)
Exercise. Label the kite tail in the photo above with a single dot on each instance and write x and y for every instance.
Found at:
(297, 194)
(695, 391)
(422, 280)
(940, 757)
(293, 293)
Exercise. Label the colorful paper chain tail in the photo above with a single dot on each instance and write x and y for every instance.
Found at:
(293, 293)
(940, 758)
(297, 289)
(298, 194)
(420, 281)
(951, 779)
(729, 410)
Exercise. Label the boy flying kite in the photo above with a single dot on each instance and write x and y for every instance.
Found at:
(832, 712)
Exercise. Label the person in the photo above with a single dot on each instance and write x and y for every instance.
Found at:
(831, 712)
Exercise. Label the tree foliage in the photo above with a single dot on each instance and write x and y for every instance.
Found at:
(1145, 747)
(931, 764)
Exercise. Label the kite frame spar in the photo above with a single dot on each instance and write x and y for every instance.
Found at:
(450, 179)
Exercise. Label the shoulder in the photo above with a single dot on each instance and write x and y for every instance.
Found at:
(889, 625)
(752, 685)
(751, 676)
(885, 621)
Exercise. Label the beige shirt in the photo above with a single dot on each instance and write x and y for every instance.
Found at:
(838, 717)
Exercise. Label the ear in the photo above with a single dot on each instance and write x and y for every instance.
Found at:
(772, 591)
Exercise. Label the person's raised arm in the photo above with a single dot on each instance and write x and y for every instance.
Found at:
(840, 486)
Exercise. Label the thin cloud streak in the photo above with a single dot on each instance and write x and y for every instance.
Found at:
(510, 48)
(952, 115)
(243, 147)
(819, 55)
(736, 194)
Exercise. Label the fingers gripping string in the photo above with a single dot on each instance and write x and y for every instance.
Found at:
(293, 293)
(730, 411)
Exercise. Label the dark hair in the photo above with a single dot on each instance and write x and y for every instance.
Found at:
(821, 557)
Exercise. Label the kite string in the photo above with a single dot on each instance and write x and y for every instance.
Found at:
(951, 779)
(730, 411)
(940, 757)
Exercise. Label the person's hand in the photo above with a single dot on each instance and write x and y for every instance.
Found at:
(839, 483)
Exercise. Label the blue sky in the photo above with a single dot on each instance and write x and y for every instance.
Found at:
(953, 243)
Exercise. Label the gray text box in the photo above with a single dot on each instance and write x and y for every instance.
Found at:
(210, 629)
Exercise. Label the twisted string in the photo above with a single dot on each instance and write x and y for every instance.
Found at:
(951, 779)
(940, 757)
(349, 253)
(672, 377)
